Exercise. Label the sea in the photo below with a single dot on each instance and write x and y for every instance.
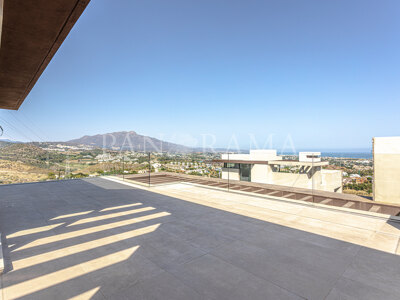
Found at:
(361, 154)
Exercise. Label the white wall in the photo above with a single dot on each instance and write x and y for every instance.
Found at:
(233, 174)
(294, 180)
(254, 155)
(332, 181)
(386, 152)
(236, 156)
(386, 145)
(322, 180)
(259, 173)
(264, 155)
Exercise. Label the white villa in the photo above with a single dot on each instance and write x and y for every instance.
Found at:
(265, 166)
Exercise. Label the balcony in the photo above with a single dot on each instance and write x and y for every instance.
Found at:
(102, 238)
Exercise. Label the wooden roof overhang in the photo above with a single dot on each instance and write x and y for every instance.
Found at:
(31, 33)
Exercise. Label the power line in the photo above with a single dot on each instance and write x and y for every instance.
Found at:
(10, 137)
(13, 126)
(28, 128)
(17, 130)
(43, 134)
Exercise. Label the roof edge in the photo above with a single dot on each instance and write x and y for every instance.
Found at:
(66, 28)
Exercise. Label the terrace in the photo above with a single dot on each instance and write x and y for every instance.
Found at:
(344, 201)
(176, 237)
(102, 238)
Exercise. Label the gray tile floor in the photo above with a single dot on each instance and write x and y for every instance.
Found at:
(97, 239)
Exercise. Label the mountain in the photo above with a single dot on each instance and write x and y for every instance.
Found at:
(129, 140)
(3, 143)
(7, 141)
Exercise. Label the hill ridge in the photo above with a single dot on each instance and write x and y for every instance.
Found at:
(129, 140)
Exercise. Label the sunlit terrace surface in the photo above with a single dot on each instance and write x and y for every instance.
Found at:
(102, 239)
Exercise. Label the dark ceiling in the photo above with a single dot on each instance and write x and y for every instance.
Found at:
(32, 32)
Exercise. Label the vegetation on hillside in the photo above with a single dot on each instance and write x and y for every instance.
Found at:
(31, 154)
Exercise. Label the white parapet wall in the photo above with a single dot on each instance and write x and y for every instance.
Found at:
(230, 173)
(331, 181)
(267, 154)
(254, 155)
(386, 154)
(235, 156)
(261, 174)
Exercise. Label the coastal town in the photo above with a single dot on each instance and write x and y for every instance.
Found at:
(28, 162)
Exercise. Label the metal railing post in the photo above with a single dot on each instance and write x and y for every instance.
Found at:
(312, 178)
(228, 171)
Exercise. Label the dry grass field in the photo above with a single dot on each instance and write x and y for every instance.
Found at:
(18, 172)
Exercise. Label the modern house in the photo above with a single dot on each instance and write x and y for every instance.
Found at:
(386, 153)
(265, 166)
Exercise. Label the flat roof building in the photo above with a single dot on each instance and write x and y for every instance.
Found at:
(265, 166)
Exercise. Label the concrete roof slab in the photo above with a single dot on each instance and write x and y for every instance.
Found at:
(87, 238)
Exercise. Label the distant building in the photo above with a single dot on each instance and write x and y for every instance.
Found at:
(265, 166)
(348, 180)
(355, 176)
(104, 157)
(386, 154)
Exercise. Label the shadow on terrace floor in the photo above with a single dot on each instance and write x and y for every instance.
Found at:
(96, 239)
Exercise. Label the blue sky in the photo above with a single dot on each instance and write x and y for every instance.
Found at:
(323, 74)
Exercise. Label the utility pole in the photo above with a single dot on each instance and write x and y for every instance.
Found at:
(123, 167)
(149, 169)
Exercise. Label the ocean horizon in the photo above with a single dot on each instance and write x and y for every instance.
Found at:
(366, 154)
